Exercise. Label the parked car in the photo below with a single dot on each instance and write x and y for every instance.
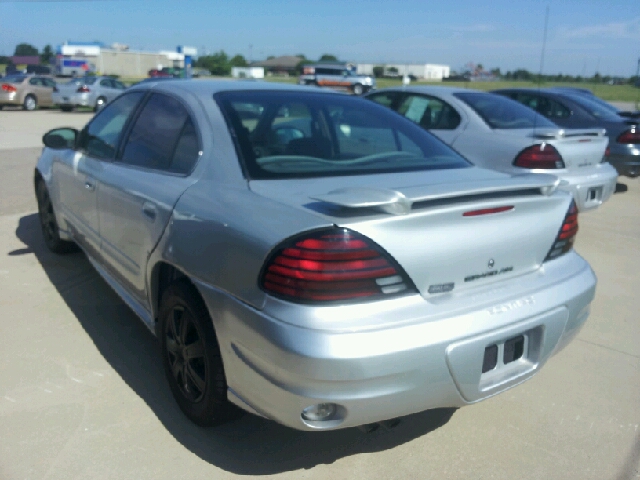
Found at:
(571, 110)
(338, 76)
(38, 69)
(200, 72)
(498, 133)
(26, 91)
(589, 94)
(155, 73)
(94, 92)
(325, 264)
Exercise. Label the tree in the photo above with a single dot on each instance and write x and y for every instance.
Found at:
(25, 49)
(217, 64)
(378, 71)
(46, 55)
(328, 58)
(392, 70)
(303, 61)
(238, 61)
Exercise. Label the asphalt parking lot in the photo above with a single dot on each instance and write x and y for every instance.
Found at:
(83, 394)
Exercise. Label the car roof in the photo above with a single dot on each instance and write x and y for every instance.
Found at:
(209, 87)
(433, 90)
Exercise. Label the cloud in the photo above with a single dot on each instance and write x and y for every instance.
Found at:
(617, 30)
(478, 28)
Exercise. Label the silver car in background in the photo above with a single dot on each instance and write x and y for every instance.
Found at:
(93, 92)
(499, 133)
(313, 257)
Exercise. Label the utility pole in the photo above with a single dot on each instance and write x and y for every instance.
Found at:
(250, 54)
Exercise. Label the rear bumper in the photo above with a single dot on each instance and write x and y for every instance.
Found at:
(429, 354)
(73, 99)
(627, 164)
(592, 187)
(10, 98)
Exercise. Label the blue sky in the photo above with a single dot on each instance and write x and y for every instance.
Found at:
(583, 35)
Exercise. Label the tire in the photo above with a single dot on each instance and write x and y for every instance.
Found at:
(198, 385)
(49, 224)
(357, 89)
(100, 102)
(30, 103)
(66, 109)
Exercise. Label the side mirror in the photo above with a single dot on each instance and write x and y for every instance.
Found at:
(60, 138)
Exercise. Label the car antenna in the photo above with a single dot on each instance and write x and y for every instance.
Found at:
(544, 44)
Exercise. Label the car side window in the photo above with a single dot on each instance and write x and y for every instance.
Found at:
(553, 109)
(35, 81)
(163, 137)
(118, 85)
(386, 99)
(49, 82)
(105, 82)
(429, 112)
(186, 151)
(100, 138)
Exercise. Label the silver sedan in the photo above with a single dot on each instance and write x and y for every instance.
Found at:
(499, 133)
(93, 92)
(311, 257)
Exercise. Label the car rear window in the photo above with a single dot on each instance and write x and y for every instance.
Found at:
(306, 134)
(503, 113)
(593, 107)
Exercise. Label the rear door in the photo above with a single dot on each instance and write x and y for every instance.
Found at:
(38, 88)
(139, 190)
(431, 113)
(46, 100)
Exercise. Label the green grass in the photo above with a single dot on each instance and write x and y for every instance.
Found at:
(613, 93)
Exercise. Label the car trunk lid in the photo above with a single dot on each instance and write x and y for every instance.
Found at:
(445, 234)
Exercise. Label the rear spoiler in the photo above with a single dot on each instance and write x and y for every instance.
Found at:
(556, 134)
(401, 201)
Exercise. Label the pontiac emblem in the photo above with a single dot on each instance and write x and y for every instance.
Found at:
(491, 262)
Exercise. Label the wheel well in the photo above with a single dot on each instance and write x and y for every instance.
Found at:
(164, 275)
(37, 177)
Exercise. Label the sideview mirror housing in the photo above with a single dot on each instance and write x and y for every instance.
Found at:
(60, 138)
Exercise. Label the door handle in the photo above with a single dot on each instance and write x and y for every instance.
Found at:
(149, 210)
(89, 185)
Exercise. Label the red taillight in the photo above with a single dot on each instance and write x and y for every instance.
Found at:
(83, 89)
(631, 136)
(542, 156)
(329, 265)
(487, 211)
(566, 235)
(8, 88)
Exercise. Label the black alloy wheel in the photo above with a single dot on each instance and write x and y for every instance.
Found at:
(49, 224)
(191, 357)
(185, 352)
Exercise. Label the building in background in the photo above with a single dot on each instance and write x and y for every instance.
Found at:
(247, 72)
(285, 66)
(423, 71)
(81, 58)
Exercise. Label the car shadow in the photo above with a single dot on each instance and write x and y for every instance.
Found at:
(248, 446)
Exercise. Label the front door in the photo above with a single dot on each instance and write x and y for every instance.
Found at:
(139, 190)
(78, 172)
